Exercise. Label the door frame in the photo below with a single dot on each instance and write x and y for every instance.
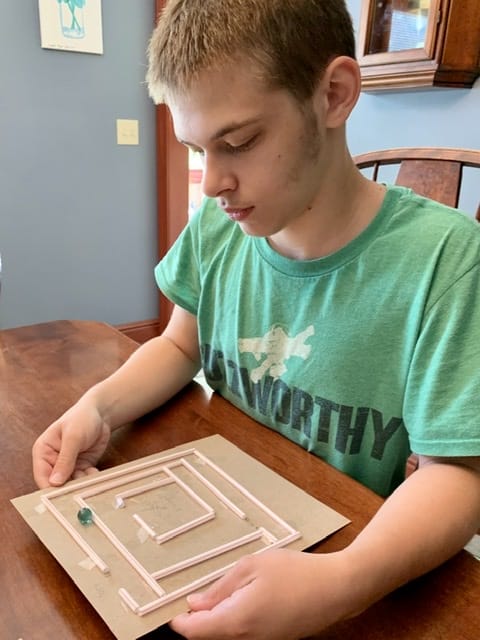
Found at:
(172, 187)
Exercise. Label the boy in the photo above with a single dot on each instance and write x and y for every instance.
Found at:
(337, 311)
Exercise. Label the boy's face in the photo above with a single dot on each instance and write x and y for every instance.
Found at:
(264, 155)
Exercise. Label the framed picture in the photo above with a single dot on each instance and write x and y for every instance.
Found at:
(71, 25)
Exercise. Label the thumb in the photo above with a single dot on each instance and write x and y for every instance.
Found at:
(236, 578)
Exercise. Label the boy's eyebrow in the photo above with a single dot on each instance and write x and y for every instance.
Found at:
(233, 126)
(229, 128)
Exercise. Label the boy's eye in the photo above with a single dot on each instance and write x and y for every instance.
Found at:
(245, 146)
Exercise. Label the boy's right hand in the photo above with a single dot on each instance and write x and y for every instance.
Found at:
(71, 446)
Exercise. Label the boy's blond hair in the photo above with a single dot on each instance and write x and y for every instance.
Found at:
(290, 42)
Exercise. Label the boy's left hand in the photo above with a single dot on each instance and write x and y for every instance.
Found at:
(275, 595)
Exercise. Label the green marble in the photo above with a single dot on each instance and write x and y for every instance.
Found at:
(85, 516)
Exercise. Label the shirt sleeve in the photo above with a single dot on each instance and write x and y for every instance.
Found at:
(178, 273)
(442, 398)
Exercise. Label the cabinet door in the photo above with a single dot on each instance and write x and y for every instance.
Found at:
(418, 43)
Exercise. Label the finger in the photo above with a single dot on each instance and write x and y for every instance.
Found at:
(80, 473)
(217, 624)
(41, 472)
(65, 463)
(43, 458)
(226, 619)
(192, 625)
(239, 576)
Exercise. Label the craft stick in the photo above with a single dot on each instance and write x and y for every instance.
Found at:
(113, 484)
(127, 598)
(207, 555)
(188, 490)
(244, 492)
(139, 568)
(268, 536)
(120, 472)
(143, 489)
(283, 542)
(183, 591)
(86, 548)
(168, 535)
(216, 492)
(144, 525)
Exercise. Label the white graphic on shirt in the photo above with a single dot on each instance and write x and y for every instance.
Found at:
(275, 347)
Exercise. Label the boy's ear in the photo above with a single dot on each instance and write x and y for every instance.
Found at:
(340, 87)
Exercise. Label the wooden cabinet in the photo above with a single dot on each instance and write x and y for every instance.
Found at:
(419, 43)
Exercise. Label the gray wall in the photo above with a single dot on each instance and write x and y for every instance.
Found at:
(77, 212)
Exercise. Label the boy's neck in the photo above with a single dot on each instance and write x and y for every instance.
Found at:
(343, 208)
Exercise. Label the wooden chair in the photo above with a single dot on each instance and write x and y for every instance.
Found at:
(434, 172)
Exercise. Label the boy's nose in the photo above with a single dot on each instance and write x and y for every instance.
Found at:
(216, 179)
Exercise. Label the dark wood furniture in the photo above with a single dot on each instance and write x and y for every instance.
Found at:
(434, 172)
(45, 368)
(447, 53)
(143, 330)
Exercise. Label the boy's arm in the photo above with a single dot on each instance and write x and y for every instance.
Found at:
(430, 517)
(154, 373)
(283, 594)
(72, 445)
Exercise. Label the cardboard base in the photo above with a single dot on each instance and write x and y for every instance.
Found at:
(130, 562)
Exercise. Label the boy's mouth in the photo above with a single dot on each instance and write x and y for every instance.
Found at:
(236, 214)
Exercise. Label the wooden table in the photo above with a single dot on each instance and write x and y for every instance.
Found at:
(44, 368)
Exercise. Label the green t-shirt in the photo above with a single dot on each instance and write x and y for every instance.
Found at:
(360, 356)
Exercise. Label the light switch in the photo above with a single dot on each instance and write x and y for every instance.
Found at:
(127, 131)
